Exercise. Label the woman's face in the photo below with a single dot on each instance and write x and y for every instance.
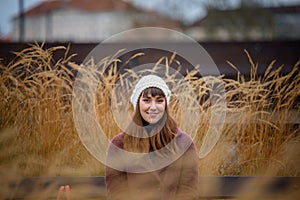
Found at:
(152, 108)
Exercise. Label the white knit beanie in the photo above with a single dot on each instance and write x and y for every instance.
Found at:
(147, 82)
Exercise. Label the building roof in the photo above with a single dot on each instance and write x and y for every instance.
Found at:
(295, 9)
(84, 5)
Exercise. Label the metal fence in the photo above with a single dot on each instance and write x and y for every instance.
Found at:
(212, 187)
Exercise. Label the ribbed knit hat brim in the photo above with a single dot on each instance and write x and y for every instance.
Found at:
(148, 82)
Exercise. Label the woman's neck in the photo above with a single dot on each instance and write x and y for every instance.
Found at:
(149, 127)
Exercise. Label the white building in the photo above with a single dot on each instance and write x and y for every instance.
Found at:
(85, 20)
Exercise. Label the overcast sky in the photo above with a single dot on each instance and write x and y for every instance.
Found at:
(9, 8)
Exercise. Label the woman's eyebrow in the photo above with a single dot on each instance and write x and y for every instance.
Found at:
(147, 96)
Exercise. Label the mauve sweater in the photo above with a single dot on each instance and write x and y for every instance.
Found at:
(178, 180)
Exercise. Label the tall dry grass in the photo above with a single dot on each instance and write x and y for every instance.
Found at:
(36, 104)
(38, 137)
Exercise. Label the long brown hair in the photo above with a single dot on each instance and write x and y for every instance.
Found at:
(162, 133)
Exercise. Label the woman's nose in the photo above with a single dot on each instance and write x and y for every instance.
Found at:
(153, 105)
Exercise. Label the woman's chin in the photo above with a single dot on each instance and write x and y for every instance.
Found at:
(152, 120)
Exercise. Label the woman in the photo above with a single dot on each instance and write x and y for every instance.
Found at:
(152, 129)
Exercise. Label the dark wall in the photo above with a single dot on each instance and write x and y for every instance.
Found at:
(285, 53)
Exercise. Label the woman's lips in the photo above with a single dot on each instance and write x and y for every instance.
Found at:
(152, 114)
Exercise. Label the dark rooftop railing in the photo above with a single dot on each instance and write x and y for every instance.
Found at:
(263, 53)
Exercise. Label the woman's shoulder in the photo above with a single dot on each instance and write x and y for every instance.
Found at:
(118, 139)
(182, 135)
(184, 139)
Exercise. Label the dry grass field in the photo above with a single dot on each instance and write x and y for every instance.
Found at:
(260, 136)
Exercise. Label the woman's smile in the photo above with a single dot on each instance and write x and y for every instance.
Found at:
(152, 115)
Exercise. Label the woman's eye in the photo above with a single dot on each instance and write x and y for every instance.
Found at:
(160, 100)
